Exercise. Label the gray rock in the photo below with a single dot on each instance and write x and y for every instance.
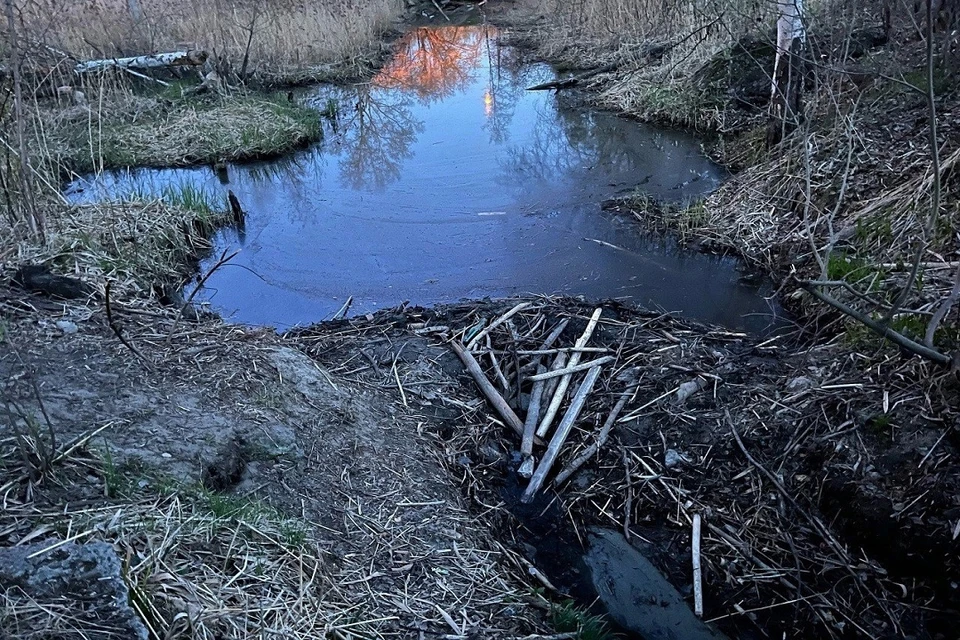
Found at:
(82, 579)
(636, 596)
(296, 368)
(800, 383)
(673, 458)
(67, 327)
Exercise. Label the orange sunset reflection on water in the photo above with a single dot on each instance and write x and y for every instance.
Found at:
(436, 62)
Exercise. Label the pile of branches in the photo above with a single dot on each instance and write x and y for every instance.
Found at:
(662, 423)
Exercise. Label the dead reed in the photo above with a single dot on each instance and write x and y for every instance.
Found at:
(275, 38)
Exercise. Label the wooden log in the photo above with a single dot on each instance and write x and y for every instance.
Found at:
(473, 368)
(564, 383)
(564, 83)
(153, 61)
(560, 437)
(592, 450)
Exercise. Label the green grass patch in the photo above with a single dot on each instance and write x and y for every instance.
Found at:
(193, 199)
(685, 219)
(233, 508)
(568, 618)
(851, 267)
(943, 82)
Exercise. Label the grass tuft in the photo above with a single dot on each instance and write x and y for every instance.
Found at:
(131, 131)
(568, 618)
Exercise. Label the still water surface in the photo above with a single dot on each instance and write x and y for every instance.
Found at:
(443, 178)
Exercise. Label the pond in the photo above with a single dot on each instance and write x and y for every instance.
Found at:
(444, 178)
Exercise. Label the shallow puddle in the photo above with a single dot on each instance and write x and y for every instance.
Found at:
(443, 178)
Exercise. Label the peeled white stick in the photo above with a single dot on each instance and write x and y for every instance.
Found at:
(554, 406)
(560, 437)
(572, 369)
(592, 450)
(697, 573)
(496, 323)
(558, 363)
(533, 415)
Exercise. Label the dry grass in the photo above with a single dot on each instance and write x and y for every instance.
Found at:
(593, 33)
(135, 243)
(128, 129)
(356, 532)
(207, 566)
(289, 37)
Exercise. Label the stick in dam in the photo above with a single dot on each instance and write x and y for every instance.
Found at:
(560, 437)
(473, 367)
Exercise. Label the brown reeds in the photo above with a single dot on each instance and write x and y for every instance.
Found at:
(275, 40)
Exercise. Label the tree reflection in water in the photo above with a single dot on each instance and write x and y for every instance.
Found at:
(567, 138)
(376, 126)
(435, 62)
(375, 132)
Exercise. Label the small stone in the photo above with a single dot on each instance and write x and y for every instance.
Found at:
(165, 455)
(67, 327)
(689, 388)
(673, 458)
(800, 383)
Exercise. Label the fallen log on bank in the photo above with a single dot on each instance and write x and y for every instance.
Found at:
(566, 83)
(153, 61)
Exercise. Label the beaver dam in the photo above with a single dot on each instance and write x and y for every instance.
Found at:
(443, 178)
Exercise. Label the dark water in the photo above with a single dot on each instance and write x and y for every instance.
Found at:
(443, 179)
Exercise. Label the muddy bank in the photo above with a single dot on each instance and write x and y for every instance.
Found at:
(247, 486)
(828, 497)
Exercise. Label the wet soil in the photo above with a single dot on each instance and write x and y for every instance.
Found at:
(256, 419)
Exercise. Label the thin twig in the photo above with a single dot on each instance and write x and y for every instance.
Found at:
(119, 333)
(814, 521)
(224, 259)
